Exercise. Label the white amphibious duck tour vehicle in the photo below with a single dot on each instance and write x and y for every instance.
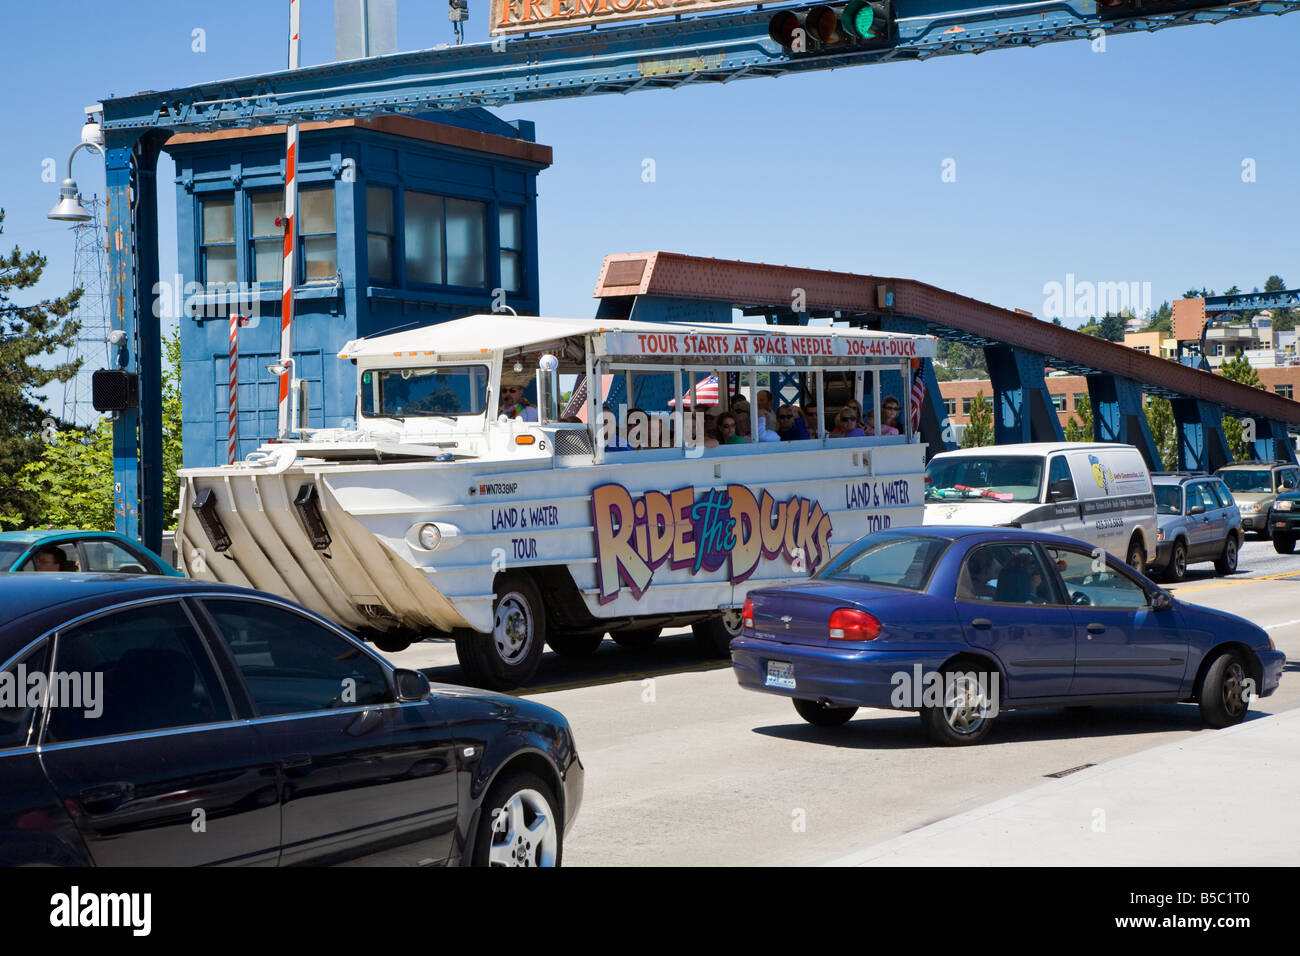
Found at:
(1098, 493)
(440, 513)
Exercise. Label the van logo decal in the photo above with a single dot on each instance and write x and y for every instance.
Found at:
(1100, 474)
(700, 532)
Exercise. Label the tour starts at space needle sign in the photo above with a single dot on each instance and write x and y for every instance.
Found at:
(516, 16)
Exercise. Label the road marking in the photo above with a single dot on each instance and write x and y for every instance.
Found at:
(1234, 582)
(1269, 627)
(619, 678)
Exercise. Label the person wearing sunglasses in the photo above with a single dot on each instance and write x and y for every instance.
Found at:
(790, 424)
(727, 434)
(889, 416)
(846, 424)
(515, 405)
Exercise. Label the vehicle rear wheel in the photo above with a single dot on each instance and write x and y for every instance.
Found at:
(507, 657)
(519, 824)
(1137, 556)
(1223, 692)
(575, 643)
(713, 636)
(1177, 569)
(964, 716)
(823, 715)
(1284, 543)
(638, 638)
(1228, 563)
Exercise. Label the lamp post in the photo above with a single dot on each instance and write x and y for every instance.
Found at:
(69, 207)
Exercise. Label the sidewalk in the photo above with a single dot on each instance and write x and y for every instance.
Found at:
(1223, 798)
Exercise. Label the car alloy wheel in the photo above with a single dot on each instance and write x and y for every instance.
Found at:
(1225, 691)
(965, 705)
(1228, 563)
(967, 711)
(1178, 562)
(1234, 690)
(524, 832)
(1137, 558)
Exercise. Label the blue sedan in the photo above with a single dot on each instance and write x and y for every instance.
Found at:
(961, 623)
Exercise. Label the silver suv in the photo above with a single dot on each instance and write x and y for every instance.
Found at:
(1255, 485)
(1198, 520)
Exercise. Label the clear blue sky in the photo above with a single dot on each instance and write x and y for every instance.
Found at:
(1123, 166)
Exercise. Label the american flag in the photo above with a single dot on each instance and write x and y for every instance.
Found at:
(706, 392)
(918, 395)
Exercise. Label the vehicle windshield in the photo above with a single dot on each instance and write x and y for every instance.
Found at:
(9, 552)
(1248, 480)
(983, 478)
(447, 391)
(1169, 500)
(895, 560)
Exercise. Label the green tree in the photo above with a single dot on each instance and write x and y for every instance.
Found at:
(1080, 428)
(73, 478)
(1111, 327)
(1163, 320)
(28, 333)
(980, 430)
(1284, 320)
(1238, 369)
(1160, 419)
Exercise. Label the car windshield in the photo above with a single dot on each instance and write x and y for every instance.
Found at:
(901, 561)
(983, 478)
(1169, 500)
(1248, 480)
(9, 552)
(447, 391)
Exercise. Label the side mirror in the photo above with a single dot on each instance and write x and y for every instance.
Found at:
(1161, 601)
(411, 685)
(1196, 510)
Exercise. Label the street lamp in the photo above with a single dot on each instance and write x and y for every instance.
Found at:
(69, 207)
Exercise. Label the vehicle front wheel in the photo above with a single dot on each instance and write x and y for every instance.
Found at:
(823, 715)
(1284, 543)
(713, 636)
(508, 657)
(1224, 694)
(1137, 556)
(1177, 569)
(575, 643)
(638, 638)
(519, 824)
(1228, 563)
(966, 715)
(390, 642)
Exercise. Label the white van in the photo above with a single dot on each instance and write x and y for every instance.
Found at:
(1098, 493)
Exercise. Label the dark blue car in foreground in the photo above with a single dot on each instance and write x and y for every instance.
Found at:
(961, 623)
(151, 721)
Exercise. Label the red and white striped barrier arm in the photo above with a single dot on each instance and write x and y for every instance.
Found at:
(233, 441)
(290, 238)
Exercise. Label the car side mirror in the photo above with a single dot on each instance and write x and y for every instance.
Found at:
(1196, 510)
(411, 685)
(1161, 601)
(1061, 489)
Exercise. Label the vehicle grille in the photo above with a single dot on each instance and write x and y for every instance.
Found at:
(571, 441)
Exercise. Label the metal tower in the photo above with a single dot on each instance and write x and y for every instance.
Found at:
(90, 272)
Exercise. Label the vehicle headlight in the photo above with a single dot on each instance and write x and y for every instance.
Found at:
(1160, 534)
(1282, 505)
(1252, 507)
(429, 536)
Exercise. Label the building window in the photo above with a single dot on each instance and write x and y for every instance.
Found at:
(320, 260)
(379, 233)
(965, 405)
(1283, 390)
(267, 236)
(446, 241)
(950, 407)
(1080, 398)
(1146, 349)
(1058, 401)
(511, 222)
(217, 249)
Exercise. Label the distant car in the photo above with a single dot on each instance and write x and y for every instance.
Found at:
(173, 701)
(1255, 485)
(1284, 521)
(79, 551)
(1199, 521)
(959, 623)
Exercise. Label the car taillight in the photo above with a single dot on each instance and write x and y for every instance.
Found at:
(747, 615)
(848, 624)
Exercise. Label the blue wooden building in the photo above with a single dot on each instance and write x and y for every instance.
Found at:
(402, 221)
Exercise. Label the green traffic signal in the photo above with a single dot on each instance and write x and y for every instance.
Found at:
(865, 20)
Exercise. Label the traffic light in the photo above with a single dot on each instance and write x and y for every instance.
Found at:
(832, 28)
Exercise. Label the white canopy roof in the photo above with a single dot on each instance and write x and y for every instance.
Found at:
(488, 333)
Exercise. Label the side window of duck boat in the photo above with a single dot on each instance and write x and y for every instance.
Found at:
(442, 390)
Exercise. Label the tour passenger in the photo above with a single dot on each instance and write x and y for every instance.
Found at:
(811, 418)
(889, 416)
(50, 558)
(790, 425)
(727, 430)
(765, 408)
(846, 425)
